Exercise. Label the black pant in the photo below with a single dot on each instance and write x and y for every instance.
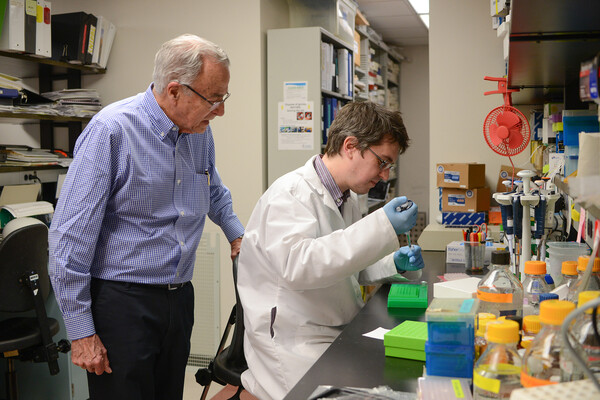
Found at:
(146, 332)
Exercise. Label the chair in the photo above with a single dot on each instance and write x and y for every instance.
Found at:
(229, 363)
(24, 286)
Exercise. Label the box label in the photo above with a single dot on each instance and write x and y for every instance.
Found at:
(456, 200)
(452, 177)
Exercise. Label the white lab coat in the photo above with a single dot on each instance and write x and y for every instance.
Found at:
(297, 276)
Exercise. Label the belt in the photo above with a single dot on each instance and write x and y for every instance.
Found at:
(167, 286)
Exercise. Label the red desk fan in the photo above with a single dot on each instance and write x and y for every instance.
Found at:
(505, 129)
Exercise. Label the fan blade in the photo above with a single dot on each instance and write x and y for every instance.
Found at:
(508, 119)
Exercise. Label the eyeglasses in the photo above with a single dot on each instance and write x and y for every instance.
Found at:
(385, 165)
(213, 104)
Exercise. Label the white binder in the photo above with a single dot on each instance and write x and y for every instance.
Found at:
(13, 30)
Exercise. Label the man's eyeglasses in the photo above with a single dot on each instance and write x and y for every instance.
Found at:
(213, 104)
(384, 165)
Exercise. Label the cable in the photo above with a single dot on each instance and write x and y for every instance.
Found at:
(565, 338)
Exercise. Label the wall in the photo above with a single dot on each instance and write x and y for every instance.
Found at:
(463, 48)
(413, 171)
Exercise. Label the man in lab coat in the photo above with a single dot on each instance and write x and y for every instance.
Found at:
(306, 248)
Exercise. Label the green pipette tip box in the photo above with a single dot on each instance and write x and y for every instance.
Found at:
(405, 295)
(406, 340)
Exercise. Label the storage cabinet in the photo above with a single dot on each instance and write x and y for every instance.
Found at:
(548, 40)
(294, 59)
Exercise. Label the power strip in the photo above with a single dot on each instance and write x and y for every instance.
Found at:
(583, 389)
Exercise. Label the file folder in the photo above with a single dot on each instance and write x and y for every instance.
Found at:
(13, 29)
(91, 24)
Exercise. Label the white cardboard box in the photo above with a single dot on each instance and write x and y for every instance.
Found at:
(458, 289)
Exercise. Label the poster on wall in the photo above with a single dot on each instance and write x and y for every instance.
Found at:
(295, 125)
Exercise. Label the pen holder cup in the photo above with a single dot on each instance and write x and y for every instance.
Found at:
(474, 256)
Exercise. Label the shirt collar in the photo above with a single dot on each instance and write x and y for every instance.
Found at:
(161, 123)
(327, 181)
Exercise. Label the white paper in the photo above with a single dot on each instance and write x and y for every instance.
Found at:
(295, 126)
(377, 333)
(295, 92)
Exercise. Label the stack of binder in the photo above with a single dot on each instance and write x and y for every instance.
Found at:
(27, 26)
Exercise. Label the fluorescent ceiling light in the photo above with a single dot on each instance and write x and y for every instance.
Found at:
(420, 6)
(425, 19)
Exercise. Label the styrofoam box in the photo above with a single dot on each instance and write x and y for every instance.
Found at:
(458, 289)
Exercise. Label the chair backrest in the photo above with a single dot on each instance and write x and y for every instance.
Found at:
(24, 249)
(236, 348)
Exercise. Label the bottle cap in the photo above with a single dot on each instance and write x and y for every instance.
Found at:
(500, 257)
(553, 312)
(586, 296)
(505, 331)
(548, 279)
(535, 267)
(548, 296)
(583, 262)
(482, 321)
(569, 268)
(531, 323)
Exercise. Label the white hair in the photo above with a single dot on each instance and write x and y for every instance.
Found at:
(181, 60)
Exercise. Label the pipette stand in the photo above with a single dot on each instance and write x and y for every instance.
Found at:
(527, 200)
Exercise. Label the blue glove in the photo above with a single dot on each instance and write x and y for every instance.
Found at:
(402, 221)
(409, 258)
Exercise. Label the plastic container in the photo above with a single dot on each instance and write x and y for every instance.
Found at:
(544, 363)
(583, 330)
(449, 360)
(500, 292)
(594, 282)
(569, 277)
(451, 321)
(497, 372)
(480, 342)
(563, 251)
(534, 284)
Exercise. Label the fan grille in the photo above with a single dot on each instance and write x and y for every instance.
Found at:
(507, 147)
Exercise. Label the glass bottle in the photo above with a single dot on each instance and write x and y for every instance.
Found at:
(480, 343)
(583, 330)
(531, 327)
(543, 363)
(534, 284)
(500, 292)
(496, 373)
(594, 283)
(569, 277)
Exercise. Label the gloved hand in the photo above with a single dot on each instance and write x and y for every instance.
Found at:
(409, 258)
(402, 221)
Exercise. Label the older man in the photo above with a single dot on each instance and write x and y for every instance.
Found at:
(128, 222)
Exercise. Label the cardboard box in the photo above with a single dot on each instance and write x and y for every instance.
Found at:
(460, 175)
(356, 49)
(506, 172)
(466, 200)
(460, 219)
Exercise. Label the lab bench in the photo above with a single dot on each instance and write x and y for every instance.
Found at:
(359, 361)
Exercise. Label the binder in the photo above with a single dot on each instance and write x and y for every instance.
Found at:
(98, 40)
(13, 29)
(43, 40)
(91, 24)
(69, 35)
(108, 37)
(30, 25)
(342, 57)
